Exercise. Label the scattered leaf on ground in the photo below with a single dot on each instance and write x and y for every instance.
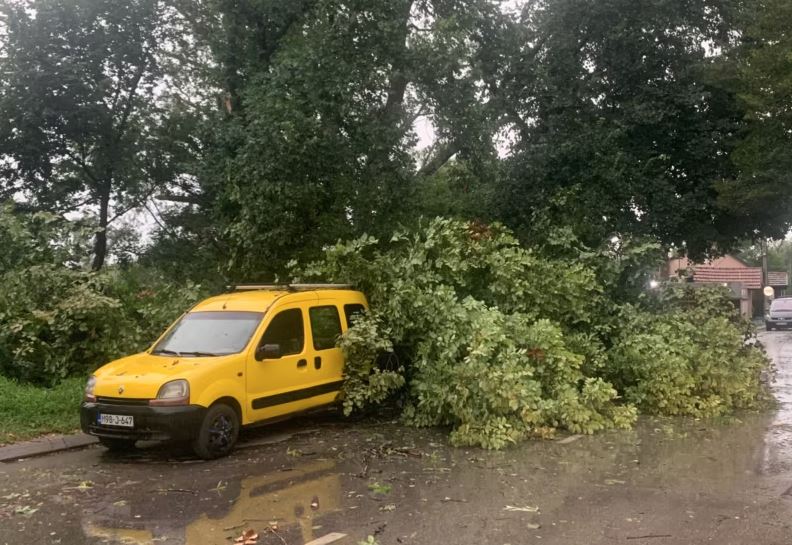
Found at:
(525, 509)
(25, 510)
(248, 537)
(379, 488)
(221, 485)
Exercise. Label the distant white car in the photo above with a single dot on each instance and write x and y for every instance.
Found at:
(780, 314)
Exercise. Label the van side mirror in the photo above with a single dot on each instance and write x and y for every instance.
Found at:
(268, 352)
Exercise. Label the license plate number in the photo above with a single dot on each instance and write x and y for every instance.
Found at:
(116, 420)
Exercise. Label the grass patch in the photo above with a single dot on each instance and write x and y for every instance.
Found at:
(28, 411)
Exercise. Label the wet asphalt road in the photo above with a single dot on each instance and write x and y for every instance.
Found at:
(669, 481)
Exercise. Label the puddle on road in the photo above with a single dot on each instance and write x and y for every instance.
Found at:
(287, 503)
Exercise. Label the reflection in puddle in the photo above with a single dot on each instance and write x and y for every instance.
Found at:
(275, 498)
(119, 535)
(294, 500)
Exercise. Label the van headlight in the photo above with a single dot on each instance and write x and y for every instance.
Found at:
(175, 392)
(88, 394)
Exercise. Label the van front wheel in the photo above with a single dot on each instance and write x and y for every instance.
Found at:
(218, 433)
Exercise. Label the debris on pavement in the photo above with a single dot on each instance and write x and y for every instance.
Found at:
(526, 509)
(327, 539)
(248, 537)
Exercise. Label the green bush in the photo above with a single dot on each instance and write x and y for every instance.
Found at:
(37, 239)
(57, 322)
(688, 355)
(150, 301)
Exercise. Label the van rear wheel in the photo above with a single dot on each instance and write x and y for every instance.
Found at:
(218, 433)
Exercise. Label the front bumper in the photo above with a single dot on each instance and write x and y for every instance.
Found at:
(151, 423)
(777, 322)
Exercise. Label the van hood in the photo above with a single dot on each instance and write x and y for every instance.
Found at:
(140, 376)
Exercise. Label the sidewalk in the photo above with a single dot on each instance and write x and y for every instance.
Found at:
(45, 445)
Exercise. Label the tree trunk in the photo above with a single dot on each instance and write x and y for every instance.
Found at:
(100, 238)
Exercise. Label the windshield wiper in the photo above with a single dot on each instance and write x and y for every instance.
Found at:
(166, 351)
(200, 354)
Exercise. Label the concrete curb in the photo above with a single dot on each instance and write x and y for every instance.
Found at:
(45, 445)
(57, 443)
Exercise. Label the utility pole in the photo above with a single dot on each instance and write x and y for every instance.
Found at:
(786, 252)
(764, 276)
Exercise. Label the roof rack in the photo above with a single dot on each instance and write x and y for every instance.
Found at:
(289, 287)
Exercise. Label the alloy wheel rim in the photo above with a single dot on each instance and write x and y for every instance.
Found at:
(220, 432)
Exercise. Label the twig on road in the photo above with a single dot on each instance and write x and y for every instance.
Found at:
(271, 529)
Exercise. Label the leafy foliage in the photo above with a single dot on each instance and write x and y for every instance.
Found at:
(501, 343)
(51, 319)
(479, 325)
(42, 237)
(689, 356)
(758, 72)
(57, 320)
(600, 132)
(81, 119)
(630, 123)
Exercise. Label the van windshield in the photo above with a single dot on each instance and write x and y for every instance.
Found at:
(209, 334)
(781, 304)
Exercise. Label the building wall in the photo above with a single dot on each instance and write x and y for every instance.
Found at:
(746, 307)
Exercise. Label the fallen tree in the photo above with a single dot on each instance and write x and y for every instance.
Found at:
(471, 330)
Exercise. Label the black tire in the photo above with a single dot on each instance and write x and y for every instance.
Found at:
(218, 433)
(768, 327)
(115, 444)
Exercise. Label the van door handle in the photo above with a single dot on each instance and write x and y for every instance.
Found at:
(318, 362)
(302, 363)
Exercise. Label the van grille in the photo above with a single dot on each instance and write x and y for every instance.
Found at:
(122, 401)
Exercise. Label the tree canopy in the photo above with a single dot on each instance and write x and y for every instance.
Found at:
(269, 130)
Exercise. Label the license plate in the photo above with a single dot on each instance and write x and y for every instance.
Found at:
(116, 420)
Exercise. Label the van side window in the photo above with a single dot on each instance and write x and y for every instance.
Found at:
(325, 326)
(287, 330)
(352, 312)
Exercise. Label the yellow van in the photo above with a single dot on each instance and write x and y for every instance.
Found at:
(256, 354)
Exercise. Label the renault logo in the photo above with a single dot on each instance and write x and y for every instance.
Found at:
(121, 389)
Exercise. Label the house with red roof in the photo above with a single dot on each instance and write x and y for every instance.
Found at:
(744, 280)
